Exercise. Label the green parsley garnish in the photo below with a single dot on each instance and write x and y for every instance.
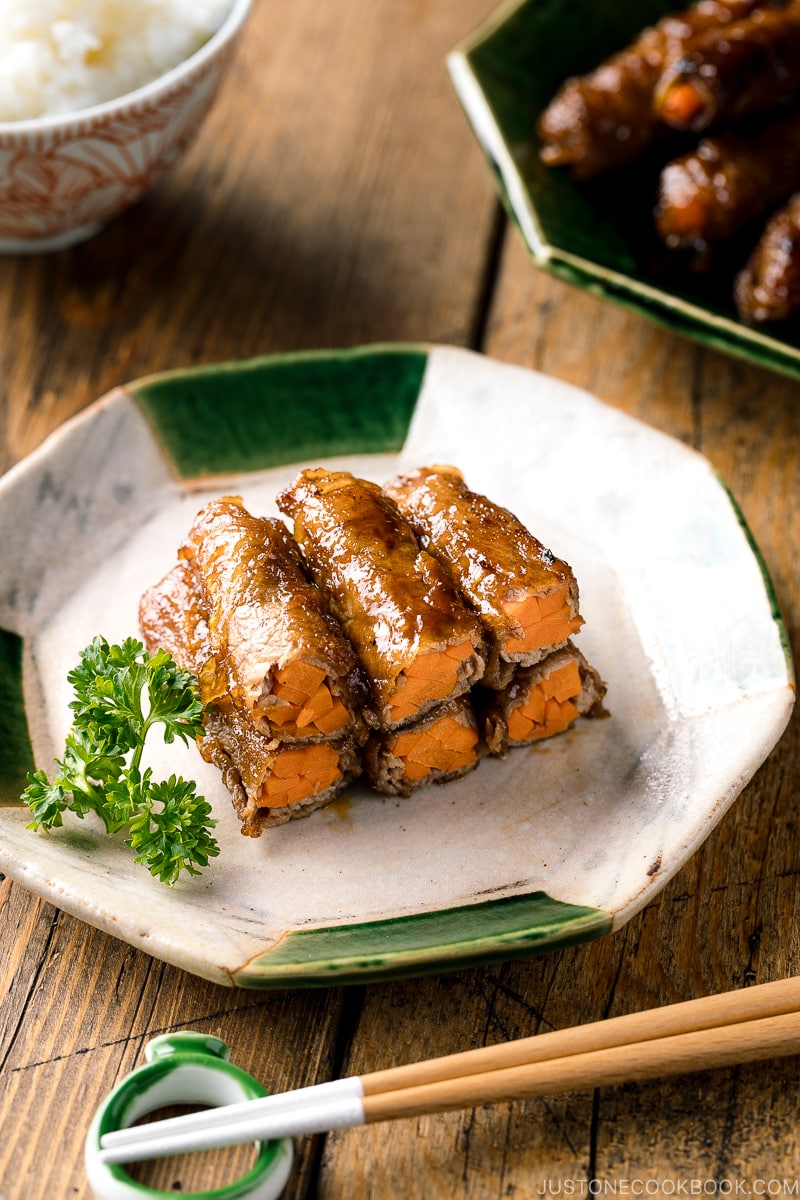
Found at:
(121, 692)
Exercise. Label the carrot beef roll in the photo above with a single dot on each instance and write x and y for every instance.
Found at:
(541, 701)
(768, 289)
(440, 746)
(749, 66)
(526, 598)
(270, 781)
(173, 617)
(418, 642)
(712, 193)
(273, 782)
(276, 648)
(606, 119)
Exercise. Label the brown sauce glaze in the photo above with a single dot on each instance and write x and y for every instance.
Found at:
(394, 600)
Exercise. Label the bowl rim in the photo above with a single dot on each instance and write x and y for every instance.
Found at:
(234, 19)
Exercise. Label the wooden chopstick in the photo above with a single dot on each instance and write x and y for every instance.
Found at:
(700, 1050)
(707, 1012)
(714, 1031)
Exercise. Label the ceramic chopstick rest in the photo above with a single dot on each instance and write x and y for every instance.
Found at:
(183, 1068)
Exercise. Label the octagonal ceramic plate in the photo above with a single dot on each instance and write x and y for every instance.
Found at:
(597, 235)
(557, 843)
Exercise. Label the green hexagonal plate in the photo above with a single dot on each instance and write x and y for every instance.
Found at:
(595, 235)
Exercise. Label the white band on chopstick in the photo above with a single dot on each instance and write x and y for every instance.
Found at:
(343, 1112)
(211, 1118)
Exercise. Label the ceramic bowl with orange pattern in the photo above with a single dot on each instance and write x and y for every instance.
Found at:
(63, 177)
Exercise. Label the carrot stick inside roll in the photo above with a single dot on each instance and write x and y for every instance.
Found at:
(429, 677)
(549, 706)
(305, 700)
(299, 772)
(438, 747)
(541, 701)
(545, 621)
(682, 103)
(445, 746)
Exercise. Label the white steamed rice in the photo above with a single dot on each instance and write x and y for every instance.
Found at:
(60, 56)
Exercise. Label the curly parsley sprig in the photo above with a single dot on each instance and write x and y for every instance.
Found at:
(121, 693)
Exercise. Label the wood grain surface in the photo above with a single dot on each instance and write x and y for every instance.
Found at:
(336, 197)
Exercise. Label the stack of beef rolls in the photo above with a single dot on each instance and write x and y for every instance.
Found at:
(728, 70)
(398, 633)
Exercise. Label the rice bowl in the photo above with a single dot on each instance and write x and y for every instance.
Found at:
(63, 176)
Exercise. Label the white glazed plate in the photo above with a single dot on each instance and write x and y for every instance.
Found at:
(557, 843)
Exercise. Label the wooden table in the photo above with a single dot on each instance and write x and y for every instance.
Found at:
(336, 197)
